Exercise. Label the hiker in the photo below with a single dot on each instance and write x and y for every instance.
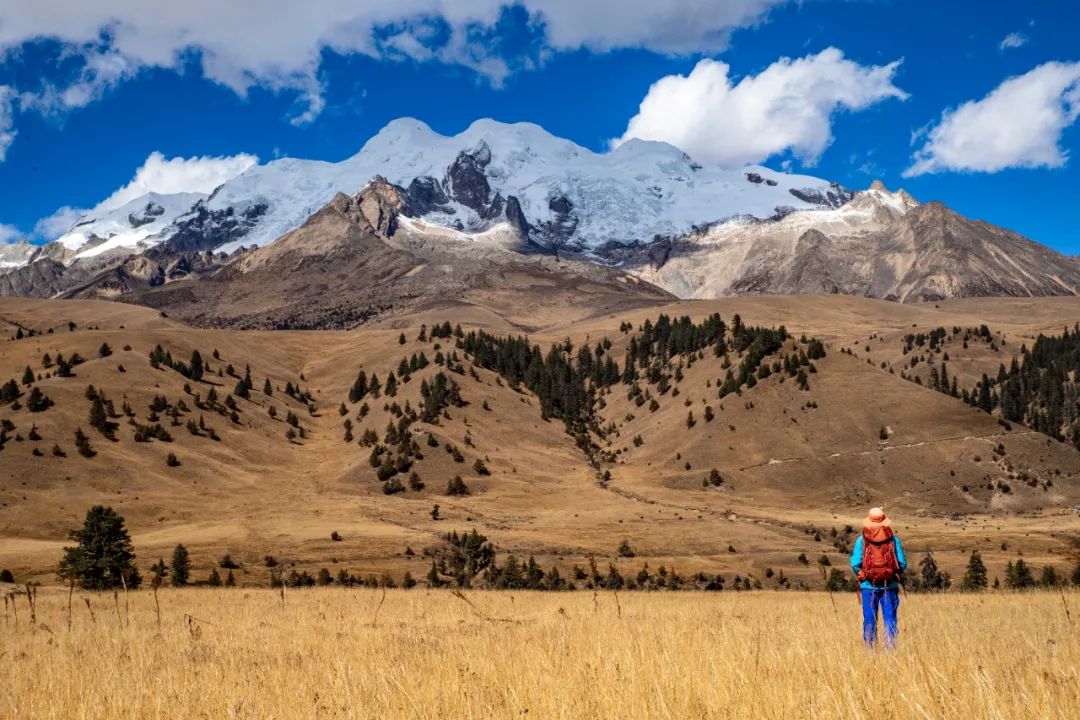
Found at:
(878, 561)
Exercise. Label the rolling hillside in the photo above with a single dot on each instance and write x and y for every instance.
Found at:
(793, 464)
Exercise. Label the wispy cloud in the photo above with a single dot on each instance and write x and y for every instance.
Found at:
(1013, 40)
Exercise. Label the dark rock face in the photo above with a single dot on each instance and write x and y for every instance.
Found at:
(517, 218)
(659, 251)
(755, 178)
(146, 215)
(426, 195)
(836, 196)
(40, 279)
(559, 230)
(205, 229)
(494, 209)
(465, 179)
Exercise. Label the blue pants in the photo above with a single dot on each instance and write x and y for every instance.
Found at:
(888, 600)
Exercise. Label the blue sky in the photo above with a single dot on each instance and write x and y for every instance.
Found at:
(84, 100)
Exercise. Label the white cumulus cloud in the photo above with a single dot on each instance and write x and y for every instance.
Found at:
(243, 44)
(789, 106)
(1018, 125)
(172, 175)
(60, 222)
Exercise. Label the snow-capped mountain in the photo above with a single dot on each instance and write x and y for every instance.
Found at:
(494, 172)
(556, 192)
(16, 254)
(498, 192)
(136, 225)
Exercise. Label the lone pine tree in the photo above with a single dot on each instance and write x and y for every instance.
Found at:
(181, 566)
(975, 578)
(103, 557)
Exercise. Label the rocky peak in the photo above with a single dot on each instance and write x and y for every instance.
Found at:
(16, 254)
(835, 196)
(884, 204)
(379, 204)
(146, 214)
(465, 178)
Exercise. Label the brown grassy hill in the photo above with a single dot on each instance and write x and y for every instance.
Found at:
(796, 464)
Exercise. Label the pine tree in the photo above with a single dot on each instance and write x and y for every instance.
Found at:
(243, 387)
(159, 570)
(181, 566)
(103, 557)
(359, 388)
(230, 580)
(28, 376)
(104, 351)
(433, 577)
(196, 368)
(975, 578)
(1018, 576)
(932, 579)
(9, 392)
(213, 579)
(38, 401)
(985, 402)
(457, 486)
(82, 444)
(268, 389)
(98, 419)
(1049, 577)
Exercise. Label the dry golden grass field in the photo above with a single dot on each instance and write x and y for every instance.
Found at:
(335, 653)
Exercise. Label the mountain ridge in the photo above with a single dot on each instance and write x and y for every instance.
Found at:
(503, 192)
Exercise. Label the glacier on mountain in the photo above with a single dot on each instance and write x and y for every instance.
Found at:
(568, 195)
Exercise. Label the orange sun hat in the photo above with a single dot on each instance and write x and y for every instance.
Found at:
(877, 518)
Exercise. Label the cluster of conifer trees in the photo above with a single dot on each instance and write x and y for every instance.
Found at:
(1039, 389)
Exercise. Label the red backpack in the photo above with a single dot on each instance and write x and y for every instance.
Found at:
(879, 563)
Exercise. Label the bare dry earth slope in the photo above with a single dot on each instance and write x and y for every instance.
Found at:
(796, 464)
(880, 244)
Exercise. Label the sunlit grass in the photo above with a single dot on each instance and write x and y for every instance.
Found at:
(324, 653)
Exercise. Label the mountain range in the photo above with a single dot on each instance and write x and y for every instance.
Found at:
(417, 217)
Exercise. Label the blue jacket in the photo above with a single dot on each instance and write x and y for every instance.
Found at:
(856, 561)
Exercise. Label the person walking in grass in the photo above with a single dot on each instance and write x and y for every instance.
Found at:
(878, 561)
